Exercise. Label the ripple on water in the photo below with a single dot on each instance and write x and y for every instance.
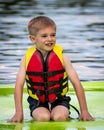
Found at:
(79, 30)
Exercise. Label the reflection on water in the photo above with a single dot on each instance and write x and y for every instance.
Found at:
(45, 125)
(80, 30)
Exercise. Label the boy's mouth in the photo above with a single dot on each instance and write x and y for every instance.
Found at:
(49, 44)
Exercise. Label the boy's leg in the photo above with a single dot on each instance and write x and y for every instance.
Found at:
(41, 114)
(60, 109)
(39, 111)
(59, 113)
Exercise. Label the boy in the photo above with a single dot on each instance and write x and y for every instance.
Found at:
(47, 70)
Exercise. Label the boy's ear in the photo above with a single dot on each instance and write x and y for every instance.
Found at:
(32, 38)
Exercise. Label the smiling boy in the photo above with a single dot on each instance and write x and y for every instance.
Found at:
(47, 71)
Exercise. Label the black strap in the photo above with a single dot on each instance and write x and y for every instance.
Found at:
(48, 74)
(48, 84)
(40, 92)
(75, 110)
(32, 89)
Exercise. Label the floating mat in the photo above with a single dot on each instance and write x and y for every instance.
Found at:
(95, 99)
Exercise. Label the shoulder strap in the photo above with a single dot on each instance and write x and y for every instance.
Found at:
(58, 50)
(29, 53)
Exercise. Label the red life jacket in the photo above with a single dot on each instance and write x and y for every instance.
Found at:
(46, 80)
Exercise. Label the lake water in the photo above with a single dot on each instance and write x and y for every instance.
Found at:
(80, 30)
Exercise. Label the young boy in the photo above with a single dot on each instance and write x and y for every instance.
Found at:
(46, 71)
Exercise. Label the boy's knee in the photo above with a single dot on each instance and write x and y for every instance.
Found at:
(42, 117)
(59, 117)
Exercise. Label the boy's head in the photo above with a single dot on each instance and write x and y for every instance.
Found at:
(38, 23)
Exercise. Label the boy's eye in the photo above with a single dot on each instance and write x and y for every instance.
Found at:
(44, 35)
(53, 35)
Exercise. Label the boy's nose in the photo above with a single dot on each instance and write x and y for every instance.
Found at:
(49, 38)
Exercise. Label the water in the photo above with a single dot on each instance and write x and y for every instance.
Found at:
(80, 30)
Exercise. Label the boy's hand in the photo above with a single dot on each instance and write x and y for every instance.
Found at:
(85, 116)
(16, 118)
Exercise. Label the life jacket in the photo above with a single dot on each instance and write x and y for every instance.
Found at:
(46, 80)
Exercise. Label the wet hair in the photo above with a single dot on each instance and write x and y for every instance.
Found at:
(38, 23)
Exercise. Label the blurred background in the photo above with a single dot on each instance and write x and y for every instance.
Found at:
(80, 30)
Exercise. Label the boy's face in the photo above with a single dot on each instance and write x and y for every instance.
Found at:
(45, 39)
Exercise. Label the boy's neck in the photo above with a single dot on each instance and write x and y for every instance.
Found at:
(44, 53)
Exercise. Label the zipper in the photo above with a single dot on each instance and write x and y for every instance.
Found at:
(45, 69)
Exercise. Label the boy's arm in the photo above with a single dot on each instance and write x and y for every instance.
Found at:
(18, 93)
(73, 77)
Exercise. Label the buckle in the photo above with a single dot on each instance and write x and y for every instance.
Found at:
(46, 92)
(40, 92)
(45, 84)
(45, 74)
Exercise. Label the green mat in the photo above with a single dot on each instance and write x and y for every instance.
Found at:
(95, 99)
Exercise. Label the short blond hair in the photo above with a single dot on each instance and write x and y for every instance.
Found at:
(38, 23)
